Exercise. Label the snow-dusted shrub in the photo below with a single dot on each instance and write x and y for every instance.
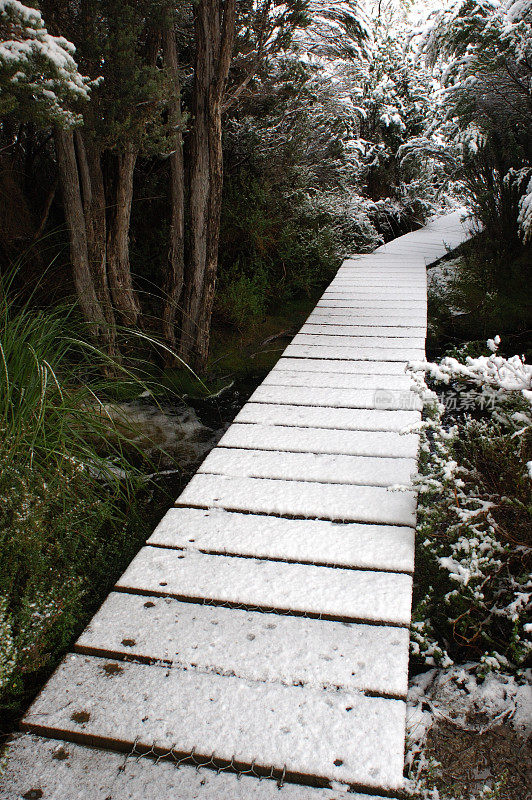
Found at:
(475, 502)
(38, 74)
(525, 213)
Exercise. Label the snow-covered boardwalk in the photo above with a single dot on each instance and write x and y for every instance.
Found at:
(263, 630)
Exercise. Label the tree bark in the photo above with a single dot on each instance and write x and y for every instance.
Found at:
(214, 32)
(75, 218)
(124, 297)
(174, 281)
(93, 194)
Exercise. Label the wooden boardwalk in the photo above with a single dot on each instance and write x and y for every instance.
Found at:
(262, 632)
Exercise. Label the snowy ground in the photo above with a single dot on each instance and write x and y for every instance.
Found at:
(469, 738)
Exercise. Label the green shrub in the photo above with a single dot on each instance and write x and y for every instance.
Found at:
(242, 298)
(474, 545)
(70, 497)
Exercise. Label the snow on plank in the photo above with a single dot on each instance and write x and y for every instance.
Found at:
(281, 439)
(309, 466)
(374, 316)
(301, 499)
(369, 283)
(341, 367)
(357, 353)
(351, 544)
(228, 719)
(379, 293)
(327, 380)
(345, 317)
(322, 653)
(379, 268)
(370, 331)
(337, 593)
(373, 304)
(336, 398)
(58, 770)
(361, 289)
(357, 419)
(350, 339)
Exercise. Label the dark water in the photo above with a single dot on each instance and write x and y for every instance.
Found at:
(177, 436)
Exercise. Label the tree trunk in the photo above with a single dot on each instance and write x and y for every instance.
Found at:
(93, 193)
(214, 31)
(83, 280)
(174, 281)
(124, 296)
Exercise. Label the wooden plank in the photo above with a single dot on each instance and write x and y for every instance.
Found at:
(309, 466)
(375, 316)
(349, 339)
(362, 292)
(342, 367)
(279, 438)
(344, 317)
(347, 419)
(336, 398)
(356, 353)
(301, 499)
(369, 331)
(225, 719)
(336, 593)
(354, 545)
(331, 380)
(368, 303)
(322, 653)
(58, 770)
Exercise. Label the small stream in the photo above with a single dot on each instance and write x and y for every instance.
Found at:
(173, 438)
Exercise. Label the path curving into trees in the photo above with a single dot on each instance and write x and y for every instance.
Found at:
(262, 632)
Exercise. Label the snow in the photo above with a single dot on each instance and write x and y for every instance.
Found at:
(458, 695)
(328, 380)
(359, 342)
(341, 367)
(358, 286)
(322, 653)
(369, 331)
(373, 316)
(355, 352)
(372, 303)
(343, 317)
(38, 64)
(344, 469)
(336, 398)
(358, 419)
(233, 719)
(314, 556)
(301, 499)
(525, 213)
(62, 771)
(280, 438)
(343, 594)
(379, 547)
(380, 295)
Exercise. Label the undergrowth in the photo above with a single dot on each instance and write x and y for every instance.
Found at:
(474, 553)
(70, 494)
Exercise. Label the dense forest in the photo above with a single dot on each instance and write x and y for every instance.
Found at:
(120, 121)
(181, 180)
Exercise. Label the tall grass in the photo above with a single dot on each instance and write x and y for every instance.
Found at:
(70, 494)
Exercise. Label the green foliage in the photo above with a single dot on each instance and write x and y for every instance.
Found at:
(481, 291)
(39, 78)
(483, 49)
(275, 245)
(474, 547)
(242, 299)
(69, 496)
